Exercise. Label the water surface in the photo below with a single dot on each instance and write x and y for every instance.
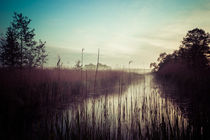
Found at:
(135, 112)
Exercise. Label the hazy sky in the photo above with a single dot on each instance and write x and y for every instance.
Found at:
(124, 30)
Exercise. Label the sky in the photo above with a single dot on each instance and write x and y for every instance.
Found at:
(123, 30)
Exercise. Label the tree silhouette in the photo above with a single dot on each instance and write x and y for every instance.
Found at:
(20, 48)
(193, 53)
(195, 48)
(10, 53)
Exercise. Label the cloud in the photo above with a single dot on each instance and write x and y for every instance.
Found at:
(170, 34)
(133, 39)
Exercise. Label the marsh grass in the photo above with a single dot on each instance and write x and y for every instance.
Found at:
(28, 94)
(50, 104)
(137, 113)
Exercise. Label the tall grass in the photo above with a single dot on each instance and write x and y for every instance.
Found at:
(30, 93)
(121, 107)
(46, 86)
(139, 113)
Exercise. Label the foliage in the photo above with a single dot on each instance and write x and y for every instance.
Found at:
(195, 47)
(19, 47)
(193, 53)
(9, 49)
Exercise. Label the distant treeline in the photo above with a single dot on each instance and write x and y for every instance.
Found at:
(100, 66)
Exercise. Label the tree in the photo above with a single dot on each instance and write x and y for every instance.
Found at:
(195, 48)
(154, 67)
(38, 55)
(162, 57)
(2, 43)
(9, 49)
(41, 54)
(20, 48)
(194, 53)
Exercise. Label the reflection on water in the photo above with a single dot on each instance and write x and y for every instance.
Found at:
(135, 113)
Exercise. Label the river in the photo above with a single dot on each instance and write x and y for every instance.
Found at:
(139, 111)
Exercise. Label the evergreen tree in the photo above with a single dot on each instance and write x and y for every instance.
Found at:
(10, 53)
(40, 58)
(20, 48)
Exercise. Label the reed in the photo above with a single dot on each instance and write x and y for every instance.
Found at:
(30, 93)
(148, 117)
(120, 108)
